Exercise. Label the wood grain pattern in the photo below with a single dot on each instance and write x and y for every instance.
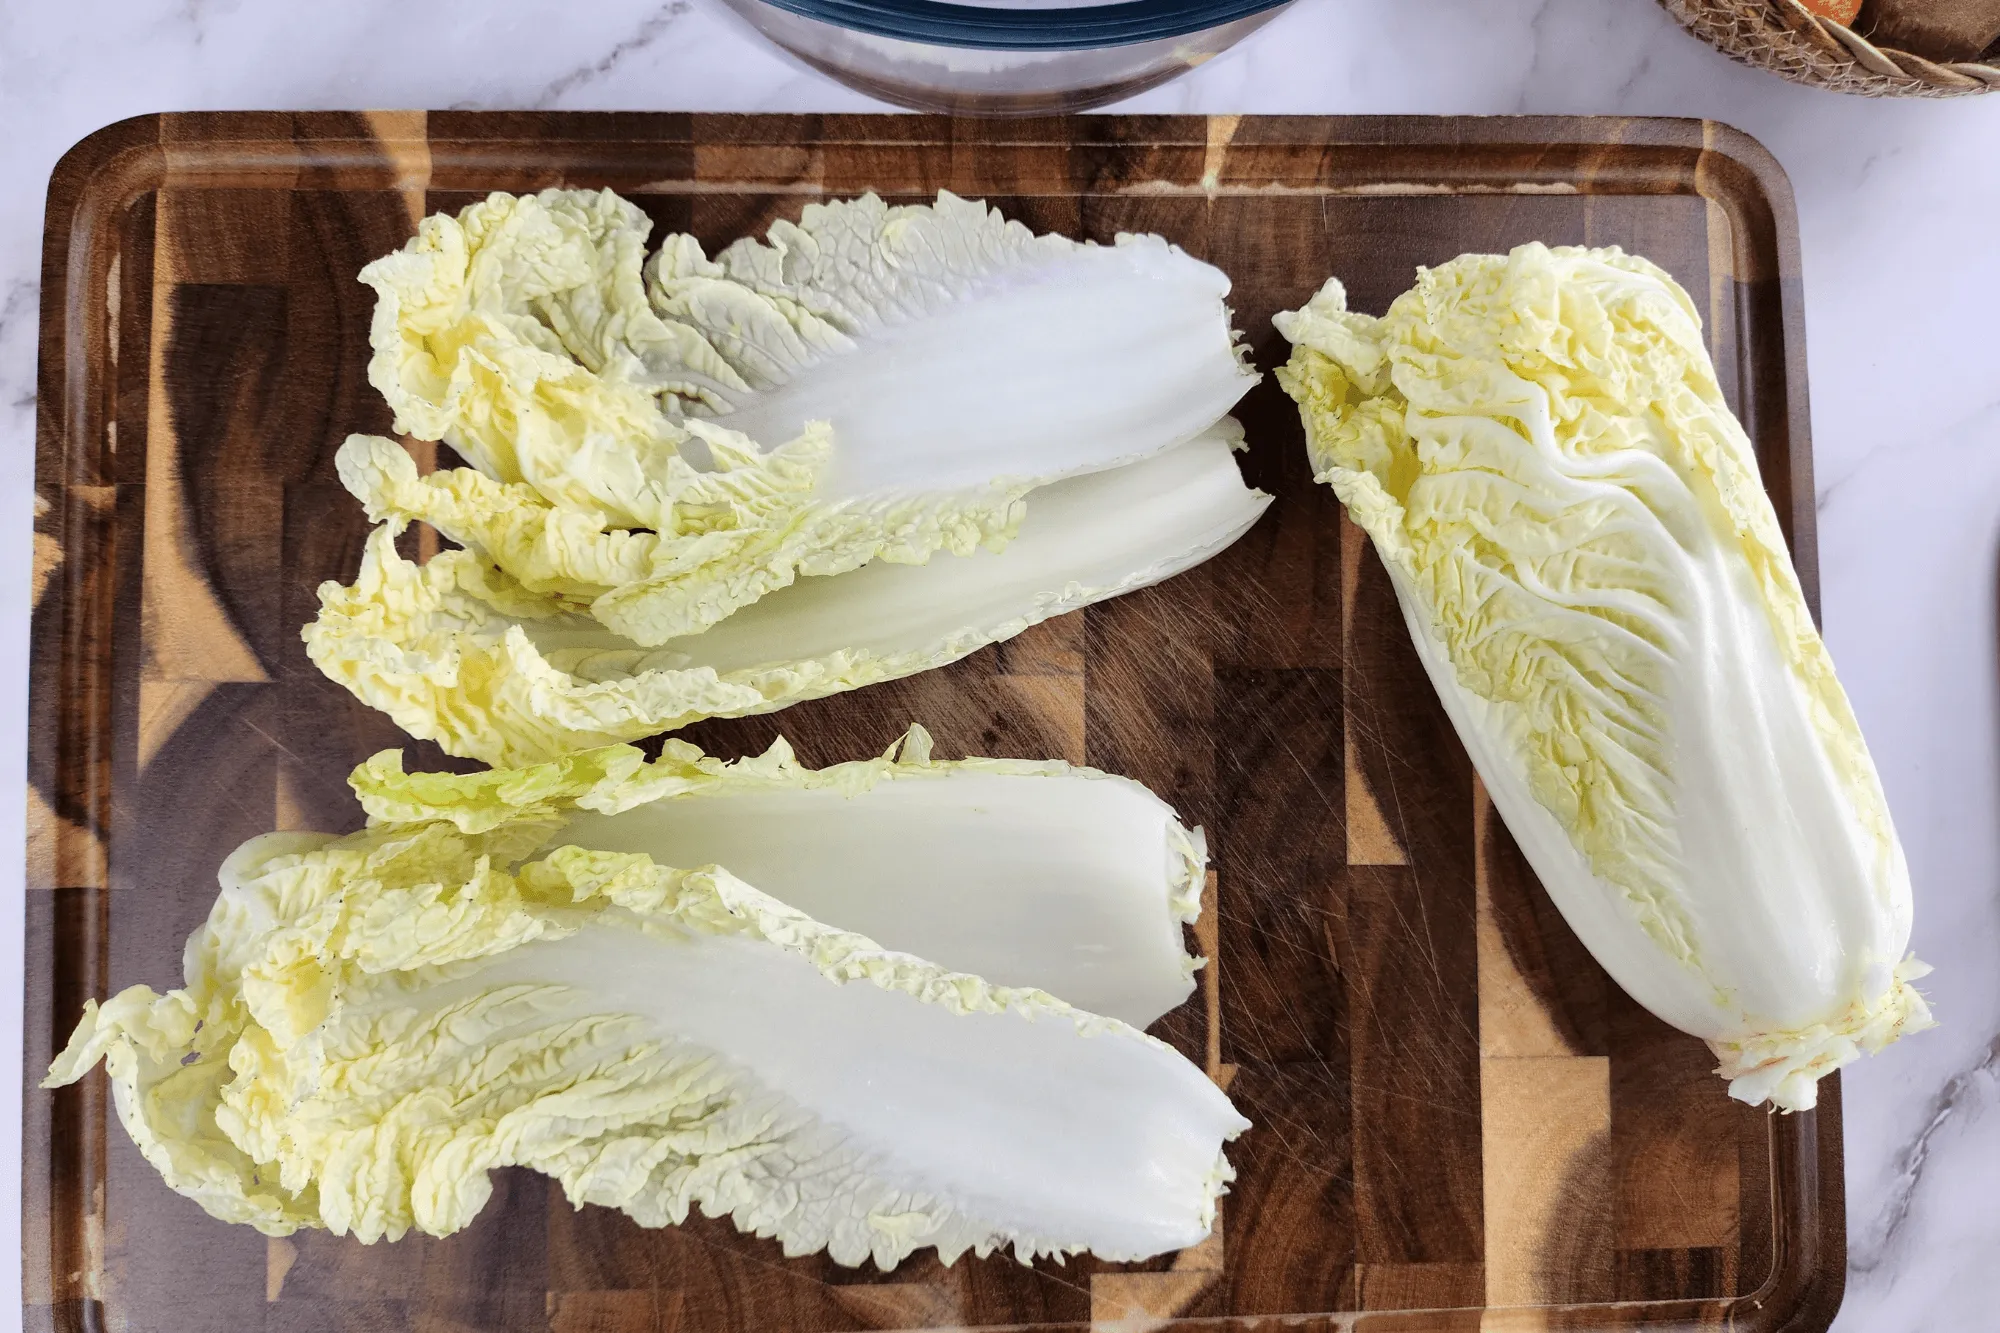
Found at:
(1460, 1122)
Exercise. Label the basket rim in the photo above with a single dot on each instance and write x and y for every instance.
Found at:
(1838, 41)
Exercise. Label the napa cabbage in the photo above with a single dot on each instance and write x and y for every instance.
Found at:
(663, 441)
(504, 969)
(1597, 585)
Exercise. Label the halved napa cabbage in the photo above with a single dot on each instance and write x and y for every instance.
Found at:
(370, 1024)
(871, 383)
(1598, 587)
(1064, 879)
(459, 652)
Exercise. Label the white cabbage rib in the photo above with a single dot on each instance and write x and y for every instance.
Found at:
(458, 652)
(1061, 878)
(1597, 585)
(891, 381)
(372, 1023)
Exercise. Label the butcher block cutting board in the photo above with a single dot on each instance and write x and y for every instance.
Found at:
(1460, 1122)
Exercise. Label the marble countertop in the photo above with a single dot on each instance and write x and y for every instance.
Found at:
(1899, 212)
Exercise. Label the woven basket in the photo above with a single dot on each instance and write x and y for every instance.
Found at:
(1785, 38)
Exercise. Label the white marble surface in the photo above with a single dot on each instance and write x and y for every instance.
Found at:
(1899, 207)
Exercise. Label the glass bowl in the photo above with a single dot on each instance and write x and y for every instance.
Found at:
(1005, 57)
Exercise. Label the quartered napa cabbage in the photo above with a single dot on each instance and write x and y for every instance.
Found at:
(457, 651)
(661, 447)
(370, 1024)
(1598, 587)
(1028, 873)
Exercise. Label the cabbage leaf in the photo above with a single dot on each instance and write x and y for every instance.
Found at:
(1065, 879)
(458, 651)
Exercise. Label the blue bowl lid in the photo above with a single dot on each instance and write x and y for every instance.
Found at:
(1074, 27)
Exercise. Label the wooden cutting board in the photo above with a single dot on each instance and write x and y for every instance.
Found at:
(1461, 1123)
